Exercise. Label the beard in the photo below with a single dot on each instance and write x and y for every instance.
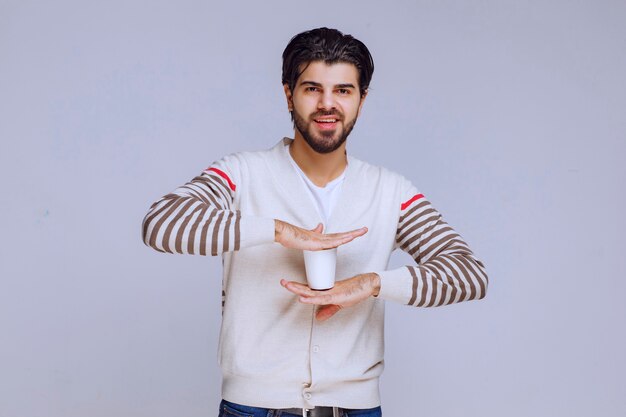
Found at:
(324, 141)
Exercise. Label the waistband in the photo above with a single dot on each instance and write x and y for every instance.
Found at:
(356, 394)
(229, 408)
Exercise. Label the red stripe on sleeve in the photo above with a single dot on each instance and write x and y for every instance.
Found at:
(223, 175)
(416, 197)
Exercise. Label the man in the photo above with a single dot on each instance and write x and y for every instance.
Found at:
(286, 349)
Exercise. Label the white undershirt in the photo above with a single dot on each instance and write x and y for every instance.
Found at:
(324, 198)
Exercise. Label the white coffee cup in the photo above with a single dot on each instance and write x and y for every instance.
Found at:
(320, 268)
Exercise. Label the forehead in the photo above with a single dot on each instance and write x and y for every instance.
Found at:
(330, 74)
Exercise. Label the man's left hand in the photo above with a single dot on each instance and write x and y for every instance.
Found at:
(345, 293)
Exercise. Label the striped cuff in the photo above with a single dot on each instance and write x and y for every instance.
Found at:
(256, 231)
(396, 285)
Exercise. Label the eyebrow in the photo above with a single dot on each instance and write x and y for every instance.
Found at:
(314, 84)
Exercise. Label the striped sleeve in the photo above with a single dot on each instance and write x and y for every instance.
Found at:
(446, 272)
(198, 218)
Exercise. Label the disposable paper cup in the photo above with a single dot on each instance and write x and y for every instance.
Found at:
(320, 268)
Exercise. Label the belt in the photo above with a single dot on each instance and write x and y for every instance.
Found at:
(313, 412)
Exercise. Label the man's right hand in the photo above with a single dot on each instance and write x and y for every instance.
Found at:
(294, 237)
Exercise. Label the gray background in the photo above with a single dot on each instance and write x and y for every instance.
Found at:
(509, 116)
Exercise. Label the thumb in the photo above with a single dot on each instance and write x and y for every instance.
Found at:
(319, 228)
(326, 311)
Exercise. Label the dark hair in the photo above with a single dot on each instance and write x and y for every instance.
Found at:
(330, 46)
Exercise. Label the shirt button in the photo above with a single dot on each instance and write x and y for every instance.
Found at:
(307, 395)
(316, 348)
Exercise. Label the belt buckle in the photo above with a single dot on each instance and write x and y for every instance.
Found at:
(305, 412)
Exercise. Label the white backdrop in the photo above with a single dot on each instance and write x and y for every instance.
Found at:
(514, 114)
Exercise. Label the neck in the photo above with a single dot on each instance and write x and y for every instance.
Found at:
(319, 168)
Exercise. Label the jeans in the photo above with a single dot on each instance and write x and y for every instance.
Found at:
(228, 409)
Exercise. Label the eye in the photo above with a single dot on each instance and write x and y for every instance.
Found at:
(311, 89)
(343, 91)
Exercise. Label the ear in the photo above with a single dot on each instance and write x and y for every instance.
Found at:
(288, 96)
(362, 100)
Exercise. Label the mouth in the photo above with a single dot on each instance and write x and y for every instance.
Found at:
(326, 123)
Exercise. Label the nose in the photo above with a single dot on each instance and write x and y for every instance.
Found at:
(326, 101)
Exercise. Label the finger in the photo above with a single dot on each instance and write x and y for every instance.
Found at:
(327, 311)
(337, 239)
(319, 228)
(351, 233)
(331, 244)
(314, 297)
(292, 284)
(297, 288)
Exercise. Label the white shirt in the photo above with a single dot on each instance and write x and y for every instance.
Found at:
(324, 198)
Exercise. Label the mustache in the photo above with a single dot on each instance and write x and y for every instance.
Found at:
(327, 113)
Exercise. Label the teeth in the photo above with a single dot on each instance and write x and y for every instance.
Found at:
(327, 121)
